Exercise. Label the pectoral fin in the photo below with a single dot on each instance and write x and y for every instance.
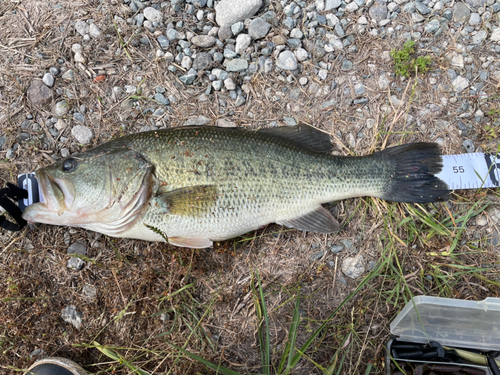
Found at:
(191, 200)
(319, 220)
(194, 243)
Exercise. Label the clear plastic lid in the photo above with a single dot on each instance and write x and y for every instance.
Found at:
(451, 322)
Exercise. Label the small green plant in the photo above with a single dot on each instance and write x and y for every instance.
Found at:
(405, 63)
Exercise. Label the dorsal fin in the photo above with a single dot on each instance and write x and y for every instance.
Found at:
(303, 135)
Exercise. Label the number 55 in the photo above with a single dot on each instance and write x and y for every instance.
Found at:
(458, 169)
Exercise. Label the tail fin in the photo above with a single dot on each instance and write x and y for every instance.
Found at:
(414, 181)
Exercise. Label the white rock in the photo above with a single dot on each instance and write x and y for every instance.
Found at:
(383, 81)
(332, 19)
(332, 4)
(481, 221)
(320, 5)
(287, 61)
(352, 7)
(186, 62)
(457, 61)
(60, 124)
(329, 48)
(83, 134)
(223, 123)
(72, 316)
(79, 58)
(48, 79)
(76, 48)
(362, 20)
(61, 108)
(229, 84)
(353, 267)
(303, 81)
(82, 27)
(153, 15)
(495, 35)
(228, 12)
(301, 54)
(94, 31)
(242, 43)
(460, 84)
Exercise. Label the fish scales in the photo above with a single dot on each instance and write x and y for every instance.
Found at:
(210, 184)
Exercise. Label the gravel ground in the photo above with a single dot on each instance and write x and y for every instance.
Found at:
(76, 74)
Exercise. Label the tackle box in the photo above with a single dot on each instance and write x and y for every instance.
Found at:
(453, 323)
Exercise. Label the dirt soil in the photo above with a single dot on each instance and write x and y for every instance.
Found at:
(150, 296)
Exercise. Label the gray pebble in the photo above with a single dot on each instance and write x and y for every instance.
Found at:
(346, 65)
(316, 256)
(61, 108)
(237, 28)
(79, 117)
(82, 27)
(237, 65)
(432, 26)
(225, 33)
(202, 60)
(79, 247)
(240, 100)
(422, 8)
(48, 79)
(332, 4)
(82, 134)
(359, 89)
(337, 248)
(468, 144)
(378, 12)
(160, 98)
(153, 15)
(188, 79)
(203, 41)
(461, 12)
(54, 70)
(163, 41)
(172, 34)
(258, 28)
(75, 263)
(479, 37)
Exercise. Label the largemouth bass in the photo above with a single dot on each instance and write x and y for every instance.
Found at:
(197, 185)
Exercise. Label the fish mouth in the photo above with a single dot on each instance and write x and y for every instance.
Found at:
(58, 195)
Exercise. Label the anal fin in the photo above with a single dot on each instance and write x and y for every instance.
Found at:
(194, 243)
(319, 221)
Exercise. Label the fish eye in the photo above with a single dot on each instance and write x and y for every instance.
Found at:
(69, 165)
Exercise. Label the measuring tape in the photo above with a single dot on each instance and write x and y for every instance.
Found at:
(464, 171)
(471, 171)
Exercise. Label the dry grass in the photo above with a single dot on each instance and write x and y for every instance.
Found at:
(207, 294)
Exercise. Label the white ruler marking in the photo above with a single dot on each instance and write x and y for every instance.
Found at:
(470, 171)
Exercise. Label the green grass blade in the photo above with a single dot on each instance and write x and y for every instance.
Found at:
(265, 342)
(218, 368)
(292, 338)
(117, 357)
(308, 343)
